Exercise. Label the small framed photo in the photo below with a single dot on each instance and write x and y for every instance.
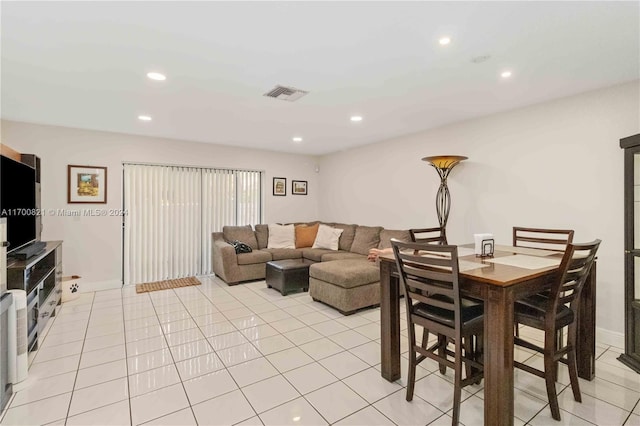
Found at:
(299, 187)
(86, 184)
(279, 186)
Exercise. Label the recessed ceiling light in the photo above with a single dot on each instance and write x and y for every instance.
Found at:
(356, 118)
(505, 74)
(156, 76)
(297, 139)
(144, 118)
(444, 41)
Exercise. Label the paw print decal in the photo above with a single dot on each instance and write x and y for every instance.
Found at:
(74, 288)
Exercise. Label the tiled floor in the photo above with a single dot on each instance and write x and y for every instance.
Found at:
(245, 355)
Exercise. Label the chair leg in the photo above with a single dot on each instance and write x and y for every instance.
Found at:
(573, 375)
(478, 354)
(551, 389)
(457, 389)
(411, 374)
(442, 348)
(549, 375)
(479, 349)
(425, 338)
(468, 352)
(572, 364)
(559, 344)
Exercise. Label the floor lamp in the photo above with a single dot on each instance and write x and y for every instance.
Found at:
(443, 165)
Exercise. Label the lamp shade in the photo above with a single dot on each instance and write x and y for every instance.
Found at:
(444, 161)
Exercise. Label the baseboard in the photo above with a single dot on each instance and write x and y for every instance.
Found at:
(609, 338)
(87, 287)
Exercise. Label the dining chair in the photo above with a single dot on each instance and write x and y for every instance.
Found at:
(540, 238)
(428, 235)
(428, 274)
(551, 313)
(436, 235)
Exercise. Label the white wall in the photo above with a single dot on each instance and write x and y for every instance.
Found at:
(93, 245)
(556, 164)
(552, 165)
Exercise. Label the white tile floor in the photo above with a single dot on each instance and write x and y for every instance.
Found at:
(245, 355)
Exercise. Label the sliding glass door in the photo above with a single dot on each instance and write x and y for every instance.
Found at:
(172, 211)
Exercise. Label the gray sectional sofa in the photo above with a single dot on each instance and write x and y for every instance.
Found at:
(342, 278)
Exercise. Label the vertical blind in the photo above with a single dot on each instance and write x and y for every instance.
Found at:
(173, 210)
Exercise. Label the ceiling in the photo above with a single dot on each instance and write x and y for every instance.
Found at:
(84, 65)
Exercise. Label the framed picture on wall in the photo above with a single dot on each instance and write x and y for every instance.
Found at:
(86, 184)
(279, 186)
(299, 187)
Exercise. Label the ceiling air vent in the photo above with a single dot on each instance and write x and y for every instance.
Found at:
(286, 93)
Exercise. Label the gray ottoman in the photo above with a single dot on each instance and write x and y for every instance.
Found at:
(288, 275)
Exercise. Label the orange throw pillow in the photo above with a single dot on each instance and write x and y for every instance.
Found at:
(306, 235)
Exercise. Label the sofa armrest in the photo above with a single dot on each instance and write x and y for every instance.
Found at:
(224, 259)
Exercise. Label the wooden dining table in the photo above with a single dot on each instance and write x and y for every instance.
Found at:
(512, 273)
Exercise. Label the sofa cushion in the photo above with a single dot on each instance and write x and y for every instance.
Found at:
(281, 236)
(262, 235)
(244, 234)
(348, 232)
(257, 256)
(315, 254)
(340, 255)
(366, 238)
(327, 237)
(387, 234)
(284, 253)
(306, 235)
(348, 273)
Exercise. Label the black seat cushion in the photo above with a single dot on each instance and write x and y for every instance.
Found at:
(532, 310)
(471, 310)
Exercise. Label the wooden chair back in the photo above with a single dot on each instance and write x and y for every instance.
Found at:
(429, 274)
(539, 238)
(428, 235)
(573, 272)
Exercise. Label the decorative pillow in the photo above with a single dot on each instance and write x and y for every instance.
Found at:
(367, 237)
(281, 236)
(306, 235)
(240, 233)
(240, 247)
(327, 237)
(387, 234)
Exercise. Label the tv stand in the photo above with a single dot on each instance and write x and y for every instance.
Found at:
(41, 277)
(29, 251)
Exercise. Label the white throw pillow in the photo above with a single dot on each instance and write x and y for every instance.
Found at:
(327, 237)
(281, 236)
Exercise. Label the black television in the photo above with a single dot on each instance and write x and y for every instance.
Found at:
(18, 202)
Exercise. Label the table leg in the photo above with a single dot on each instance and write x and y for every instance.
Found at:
(498, 356)
(389, 323)
(586, 339)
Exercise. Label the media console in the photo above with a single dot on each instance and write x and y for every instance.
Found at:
(41, 277)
